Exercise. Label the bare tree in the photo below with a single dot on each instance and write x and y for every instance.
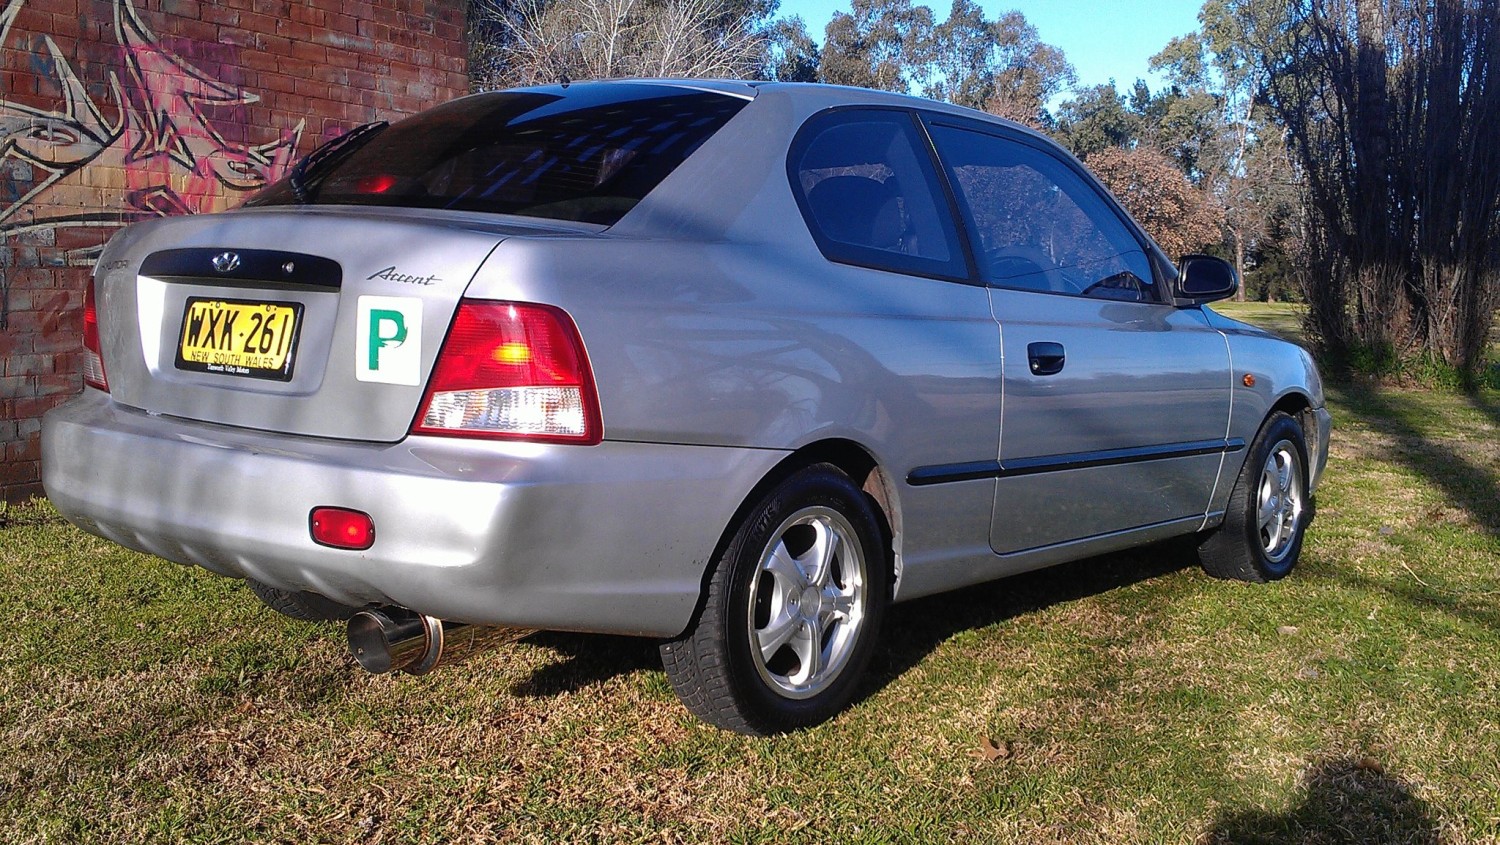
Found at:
(538, 41)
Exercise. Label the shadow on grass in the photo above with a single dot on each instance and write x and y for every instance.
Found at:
(1485, 404)
(1468, 484)
(1343, 801)
(912, 629)
(587, 659)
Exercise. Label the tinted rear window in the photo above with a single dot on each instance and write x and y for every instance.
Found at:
(587, 153)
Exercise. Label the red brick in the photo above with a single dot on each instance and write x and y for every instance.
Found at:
(64, 384)
(304, 49)
(17, 493)
(29, 365)
(24, 450)
(296, 30)
(67, 26)
(197, 31)
(256, 59)
(20, 472)
(182, 9)
(328, 62)
(57, 342)
(17, 387)
(76, 237)
(312, 15)
(217, 13)
(310, 88)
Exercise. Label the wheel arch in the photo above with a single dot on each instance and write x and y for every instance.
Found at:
(855, 461)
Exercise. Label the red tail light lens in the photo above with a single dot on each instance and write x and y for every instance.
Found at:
(93, 355)
(512, 370)
(342, 528)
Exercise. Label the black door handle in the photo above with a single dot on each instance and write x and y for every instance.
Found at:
(1046, 358)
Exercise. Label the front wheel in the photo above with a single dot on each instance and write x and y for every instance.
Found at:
(1268, 511)
(793, 607)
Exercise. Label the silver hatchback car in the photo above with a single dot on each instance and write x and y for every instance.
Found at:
(732, 365)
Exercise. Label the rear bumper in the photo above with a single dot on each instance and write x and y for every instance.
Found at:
(609, 538)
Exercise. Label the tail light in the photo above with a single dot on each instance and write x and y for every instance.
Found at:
(93, 356)
(512, 370)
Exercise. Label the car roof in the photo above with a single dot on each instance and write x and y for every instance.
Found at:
(826, 96)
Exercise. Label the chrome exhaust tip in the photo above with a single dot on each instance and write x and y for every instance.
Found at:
(394, 639)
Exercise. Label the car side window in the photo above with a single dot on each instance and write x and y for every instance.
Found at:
(1037, 224)
(871, 196)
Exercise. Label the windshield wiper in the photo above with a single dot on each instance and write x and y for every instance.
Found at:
(329, 152)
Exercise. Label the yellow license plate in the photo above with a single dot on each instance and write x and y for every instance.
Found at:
(238, 338)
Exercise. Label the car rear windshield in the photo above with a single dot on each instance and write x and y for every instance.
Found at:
(586, 153)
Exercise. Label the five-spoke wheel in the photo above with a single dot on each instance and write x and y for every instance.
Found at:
(792, 609)
(1268, 509)
(808, 602)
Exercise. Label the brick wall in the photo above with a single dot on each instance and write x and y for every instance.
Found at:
(113, 111)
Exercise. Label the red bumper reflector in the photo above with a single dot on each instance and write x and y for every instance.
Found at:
(342, 528)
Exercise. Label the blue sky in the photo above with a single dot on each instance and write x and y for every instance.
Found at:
(1103, 39)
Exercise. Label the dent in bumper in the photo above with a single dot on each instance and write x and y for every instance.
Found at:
(609, 538)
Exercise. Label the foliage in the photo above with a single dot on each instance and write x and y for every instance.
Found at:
(1096, 118)
(879, 44)
(1000, 66)
(792, 55)
(1160, 197)
(1390, 109)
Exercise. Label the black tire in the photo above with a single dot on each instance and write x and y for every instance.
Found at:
(304, 606)
(719, 668)
(1253, 545)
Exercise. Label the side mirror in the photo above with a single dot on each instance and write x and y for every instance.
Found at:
(1204, 278)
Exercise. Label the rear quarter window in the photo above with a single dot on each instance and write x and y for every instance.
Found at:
(587, 153)
(870, 195)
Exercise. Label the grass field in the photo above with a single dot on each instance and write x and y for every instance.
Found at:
(1120, 699)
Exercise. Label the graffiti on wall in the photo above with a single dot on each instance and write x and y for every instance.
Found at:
(153, 143)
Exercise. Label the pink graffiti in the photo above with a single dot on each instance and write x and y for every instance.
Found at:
(163, 153)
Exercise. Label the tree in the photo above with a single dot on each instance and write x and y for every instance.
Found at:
(999, 66)
(543, 41)
(792, 55)
(878, 44)
(1179, 217)
(1390, 109)
(1095, 119)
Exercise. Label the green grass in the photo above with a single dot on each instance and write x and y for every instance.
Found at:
(1283, 318)
(1286, 318)
(1136, 699)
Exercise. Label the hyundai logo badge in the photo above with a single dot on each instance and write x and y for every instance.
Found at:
(226, 262)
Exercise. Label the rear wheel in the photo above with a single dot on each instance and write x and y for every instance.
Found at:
(793, 608)
(1268, 511)
(308, 607)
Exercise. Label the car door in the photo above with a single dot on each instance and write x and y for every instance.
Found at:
(1116, 403)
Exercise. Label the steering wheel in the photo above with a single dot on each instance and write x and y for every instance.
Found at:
(1024, 266)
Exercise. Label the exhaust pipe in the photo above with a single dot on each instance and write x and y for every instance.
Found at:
(394, 639)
